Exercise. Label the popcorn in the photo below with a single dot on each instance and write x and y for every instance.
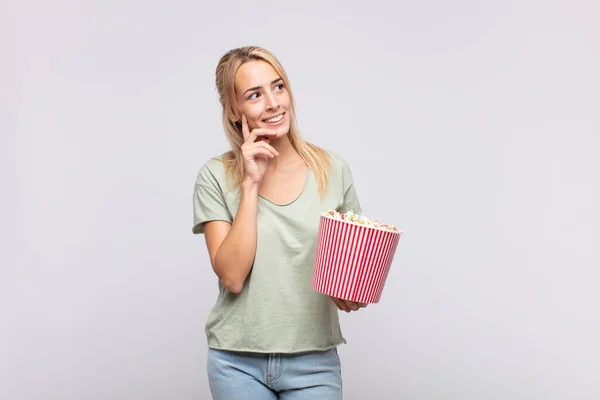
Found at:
(354, 255)
(359, 219)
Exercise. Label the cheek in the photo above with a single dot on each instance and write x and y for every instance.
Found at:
(252, 113)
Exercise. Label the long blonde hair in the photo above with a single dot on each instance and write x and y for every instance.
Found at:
(317, 159)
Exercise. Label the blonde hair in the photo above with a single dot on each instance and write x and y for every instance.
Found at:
(317, 159)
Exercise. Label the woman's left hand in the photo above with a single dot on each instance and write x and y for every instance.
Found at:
(347, 305)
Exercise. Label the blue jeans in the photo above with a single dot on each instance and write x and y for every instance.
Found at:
(257, 376)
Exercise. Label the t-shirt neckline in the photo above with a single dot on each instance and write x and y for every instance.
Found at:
(308, 172)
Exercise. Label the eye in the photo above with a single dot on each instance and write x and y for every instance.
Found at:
(253, 96)
(280, 86)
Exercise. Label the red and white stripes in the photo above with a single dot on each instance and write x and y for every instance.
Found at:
(353, 261)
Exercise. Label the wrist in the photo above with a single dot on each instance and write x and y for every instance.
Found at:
(250, 187)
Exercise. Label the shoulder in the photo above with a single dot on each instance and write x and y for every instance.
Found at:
(338, 162)
(212, 172)
(340, 174)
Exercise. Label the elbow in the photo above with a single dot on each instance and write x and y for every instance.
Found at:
(229, 282)
(230, 278)
(232, 285)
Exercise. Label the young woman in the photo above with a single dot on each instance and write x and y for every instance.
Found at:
(270, 335)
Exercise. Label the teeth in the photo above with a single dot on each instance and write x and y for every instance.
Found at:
(275, 119)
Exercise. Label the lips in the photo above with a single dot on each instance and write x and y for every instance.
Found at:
(275, 119)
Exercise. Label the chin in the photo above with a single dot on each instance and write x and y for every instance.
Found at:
(282, 131)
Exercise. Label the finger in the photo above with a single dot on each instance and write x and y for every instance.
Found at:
(341, 304)
(357, 306)
(245, 129)
(267, 146)
(249, 148)
(337, 304)
(258, 151)
(352, 305)
(263, 132)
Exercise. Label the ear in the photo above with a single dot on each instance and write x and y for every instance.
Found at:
(236, 121)
(235, 116)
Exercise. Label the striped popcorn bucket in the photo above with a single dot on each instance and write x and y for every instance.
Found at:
(352, 261)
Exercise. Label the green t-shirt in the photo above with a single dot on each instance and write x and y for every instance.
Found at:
(277, 310)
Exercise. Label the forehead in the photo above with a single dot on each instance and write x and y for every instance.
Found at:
(254, 73)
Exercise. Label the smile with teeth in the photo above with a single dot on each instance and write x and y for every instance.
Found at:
(274, 120)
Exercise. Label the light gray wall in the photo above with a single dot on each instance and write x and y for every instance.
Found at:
(472, 125)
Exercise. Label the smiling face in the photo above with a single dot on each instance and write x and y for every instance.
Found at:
(262, 97)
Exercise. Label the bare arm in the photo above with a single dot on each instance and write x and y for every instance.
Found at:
(232, 247)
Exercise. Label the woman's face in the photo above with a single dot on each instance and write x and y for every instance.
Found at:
(262, 96)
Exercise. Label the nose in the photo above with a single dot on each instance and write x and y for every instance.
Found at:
(272, 102)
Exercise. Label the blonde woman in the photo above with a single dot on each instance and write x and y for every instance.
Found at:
(270, 335)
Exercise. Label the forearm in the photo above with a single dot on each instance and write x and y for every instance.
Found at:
(235, 256)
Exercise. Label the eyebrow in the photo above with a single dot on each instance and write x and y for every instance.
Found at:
(258, 87)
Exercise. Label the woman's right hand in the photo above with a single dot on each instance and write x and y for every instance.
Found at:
(256, 154)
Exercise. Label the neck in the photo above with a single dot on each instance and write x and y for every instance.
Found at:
(287, 154)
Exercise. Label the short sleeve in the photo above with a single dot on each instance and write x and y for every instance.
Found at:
(351, 202)
(209, 202)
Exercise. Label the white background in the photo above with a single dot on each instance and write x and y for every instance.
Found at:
(471, 125)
